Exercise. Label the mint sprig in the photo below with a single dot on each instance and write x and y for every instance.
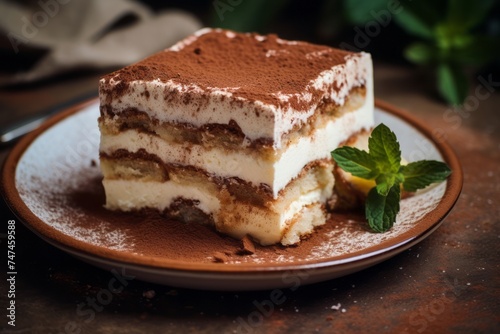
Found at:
(383, 165)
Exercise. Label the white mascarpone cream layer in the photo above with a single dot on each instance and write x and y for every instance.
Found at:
(256, 119)
(276, 174)
(123, 195)
(128, 195)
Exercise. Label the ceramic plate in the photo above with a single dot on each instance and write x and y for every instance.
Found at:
(51, 180)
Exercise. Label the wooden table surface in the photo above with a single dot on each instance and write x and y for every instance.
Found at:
(449, 283)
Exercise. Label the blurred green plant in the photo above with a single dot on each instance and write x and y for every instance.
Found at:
(245, 15)
(448, 41)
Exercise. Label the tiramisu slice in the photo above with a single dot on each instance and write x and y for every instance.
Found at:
(234, 130)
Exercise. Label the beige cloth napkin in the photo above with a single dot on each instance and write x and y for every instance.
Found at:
(81, 34)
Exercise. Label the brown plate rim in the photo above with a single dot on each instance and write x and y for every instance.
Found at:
(423, 227)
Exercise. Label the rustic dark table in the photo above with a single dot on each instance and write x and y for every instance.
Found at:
(449, 283)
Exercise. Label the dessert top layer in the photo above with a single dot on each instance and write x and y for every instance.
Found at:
(250, 66)
(263, 83)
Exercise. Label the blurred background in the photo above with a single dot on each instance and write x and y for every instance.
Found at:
(436, 59)
(449, 41)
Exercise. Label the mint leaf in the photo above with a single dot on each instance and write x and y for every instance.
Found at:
(384, 187)
(383, 164)
(355, 161)
(420, 174)
(381, 211)
(386, 181)
(384, 149)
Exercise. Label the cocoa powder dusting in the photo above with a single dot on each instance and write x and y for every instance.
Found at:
(149, 232)
(251, 66)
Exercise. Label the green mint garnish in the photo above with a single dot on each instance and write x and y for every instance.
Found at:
(383, 164)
